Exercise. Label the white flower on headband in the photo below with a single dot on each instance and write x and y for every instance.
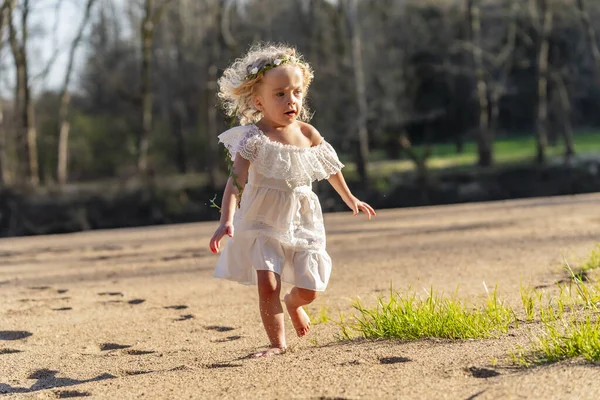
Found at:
(254, 71)
(277, 61)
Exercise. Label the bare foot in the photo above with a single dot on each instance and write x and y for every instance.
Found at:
(273, 351)
(299, 318)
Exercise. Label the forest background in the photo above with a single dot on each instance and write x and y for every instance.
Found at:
(427, 102)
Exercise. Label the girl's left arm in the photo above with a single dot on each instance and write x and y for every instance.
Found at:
(339, 184)
(337, 180)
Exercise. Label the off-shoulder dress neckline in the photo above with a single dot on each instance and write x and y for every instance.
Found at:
(285, 145)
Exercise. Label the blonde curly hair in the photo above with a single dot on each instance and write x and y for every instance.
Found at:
(237, 85)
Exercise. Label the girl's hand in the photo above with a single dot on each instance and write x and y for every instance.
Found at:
(356, 205)
(225, 228)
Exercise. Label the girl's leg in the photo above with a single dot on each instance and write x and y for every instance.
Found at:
(271, 311)
(294, 301)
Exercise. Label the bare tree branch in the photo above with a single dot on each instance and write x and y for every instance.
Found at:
(43, 75)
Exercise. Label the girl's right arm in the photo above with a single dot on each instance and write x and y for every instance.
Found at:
(230, 201)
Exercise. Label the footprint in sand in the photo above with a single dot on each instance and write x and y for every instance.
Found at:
(482, 372)
(228, 339)
(69, 394)
(39, 287)
(10, 351)
(223, 365)
(136, 372)
(61, 291)
(139, 352)
(175, 257)
(332, 398)
(394, 360)
(107, 247)
(350, 363)
(14, 335)
(178, 307)
(113, 346)
(218, 328)
(136, 301)
(184, 317)
(110, 294)
(62, 309)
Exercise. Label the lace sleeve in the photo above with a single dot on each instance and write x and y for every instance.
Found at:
(242, 140)
(329, 163)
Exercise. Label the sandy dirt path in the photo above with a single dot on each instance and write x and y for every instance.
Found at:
(130, 314)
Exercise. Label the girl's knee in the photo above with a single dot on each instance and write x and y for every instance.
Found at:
(307, 295)
(268, 283)
(267, 289)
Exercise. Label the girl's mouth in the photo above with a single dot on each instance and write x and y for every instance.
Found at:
(290, 113)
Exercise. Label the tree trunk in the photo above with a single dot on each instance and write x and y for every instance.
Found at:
(5, 175)
(495, 98)
(212, 125)
(362, 151)
(179, 127)
(149, 23)
(146, 90)
(32, 139)
(173, 105)
(212, 150)
(65, 99)
(565, 116)
(503, 63)
(591, 35)
(484, 139)
(542, 107)
(24, 109)
(225, 27)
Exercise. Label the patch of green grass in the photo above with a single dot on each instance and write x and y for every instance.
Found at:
(408, 317)
(544, 306)
(528, 298)
(558, 342)
(510, 150)
(322, 317)
(593, 261)
(587, 296)
(562, 338)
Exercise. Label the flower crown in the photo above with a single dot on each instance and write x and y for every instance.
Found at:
(275, 63)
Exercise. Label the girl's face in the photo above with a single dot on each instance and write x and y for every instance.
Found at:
(280, 95)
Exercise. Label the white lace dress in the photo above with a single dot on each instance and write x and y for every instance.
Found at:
(279, 225)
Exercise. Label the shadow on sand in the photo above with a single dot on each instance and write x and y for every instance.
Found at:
(46, 379)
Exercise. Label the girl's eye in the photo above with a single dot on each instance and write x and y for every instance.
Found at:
(280, 94)
(298, 92)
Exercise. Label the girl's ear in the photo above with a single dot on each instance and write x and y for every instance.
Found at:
(256, 100)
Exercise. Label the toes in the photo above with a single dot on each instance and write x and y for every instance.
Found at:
(303, 331)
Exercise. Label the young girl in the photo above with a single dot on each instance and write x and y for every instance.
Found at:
(279, 232)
